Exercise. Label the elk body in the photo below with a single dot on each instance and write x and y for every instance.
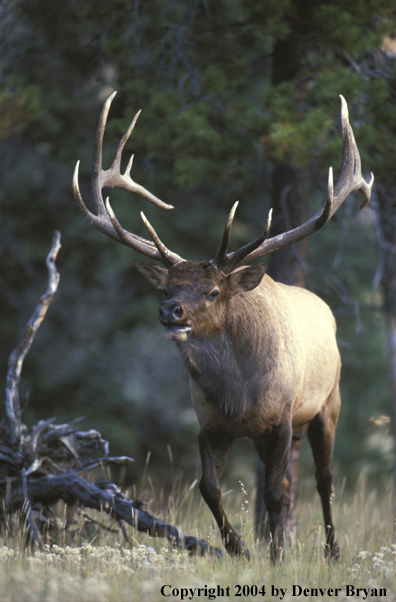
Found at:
(262, 356)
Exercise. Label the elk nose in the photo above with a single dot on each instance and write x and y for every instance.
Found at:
(170, 311)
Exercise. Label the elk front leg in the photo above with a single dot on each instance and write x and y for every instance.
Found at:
(321, 433)
(214, 447)
(273, 449)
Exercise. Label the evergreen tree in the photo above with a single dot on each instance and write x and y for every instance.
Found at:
(226, 115)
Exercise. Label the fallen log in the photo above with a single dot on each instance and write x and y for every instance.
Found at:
(73, 489)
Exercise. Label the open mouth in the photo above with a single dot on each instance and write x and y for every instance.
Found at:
(177, 332)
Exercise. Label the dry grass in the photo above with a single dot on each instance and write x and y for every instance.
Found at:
(106, 569)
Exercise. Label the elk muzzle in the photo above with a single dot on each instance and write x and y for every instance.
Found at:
(171, 314)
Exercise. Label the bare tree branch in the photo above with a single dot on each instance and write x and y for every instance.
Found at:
(15, 362)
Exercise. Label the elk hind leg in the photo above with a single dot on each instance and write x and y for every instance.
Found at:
(262, 524)
(273, 449)
(289, 519)
(321, 434)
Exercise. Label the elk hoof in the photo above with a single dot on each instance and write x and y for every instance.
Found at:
(277, 555)
(332, 552)
(235, 545)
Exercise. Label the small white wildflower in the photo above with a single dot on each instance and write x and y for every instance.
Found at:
(6, 553)
(354, 569)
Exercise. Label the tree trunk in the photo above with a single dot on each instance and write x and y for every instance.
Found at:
(387, 207)
(290, 193)
(391, 328)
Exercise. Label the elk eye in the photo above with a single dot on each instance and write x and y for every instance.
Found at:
(215, 293)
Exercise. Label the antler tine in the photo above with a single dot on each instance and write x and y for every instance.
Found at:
(221, 254)
(97, 172)
(243, 252)
(105, 219)
(132, 240)
(77, 195)
(232, 260)
(350, 179)
(121, 144)
(167, 257)
(113, 177)
(96, 177)
(351, 164)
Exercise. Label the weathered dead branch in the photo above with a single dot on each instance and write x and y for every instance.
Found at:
(42, 466)
(15, 363)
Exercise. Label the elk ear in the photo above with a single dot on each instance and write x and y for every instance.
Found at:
(154, 274)
(246, 279)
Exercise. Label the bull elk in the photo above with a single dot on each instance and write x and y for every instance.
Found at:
(262, 356)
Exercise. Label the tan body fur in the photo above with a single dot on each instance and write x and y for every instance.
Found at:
(296, 336)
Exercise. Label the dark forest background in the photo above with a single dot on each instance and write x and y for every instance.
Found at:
(240, 102)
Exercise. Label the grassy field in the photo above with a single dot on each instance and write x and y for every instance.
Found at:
(101, 567)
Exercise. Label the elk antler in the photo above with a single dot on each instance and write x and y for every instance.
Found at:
(105, 219)
(350, 179)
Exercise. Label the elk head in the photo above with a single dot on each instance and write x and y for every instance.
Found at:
(197, 295)
(195, 290)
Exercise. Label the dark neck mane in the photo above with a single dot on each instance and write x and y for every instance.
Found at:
(230, 367)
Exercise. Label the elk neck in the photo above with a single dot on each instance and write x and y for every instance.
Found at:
(233, 364)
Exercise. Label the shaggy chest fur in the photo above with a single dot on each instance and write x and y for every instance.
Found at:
(232, 377)
(230, 382)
